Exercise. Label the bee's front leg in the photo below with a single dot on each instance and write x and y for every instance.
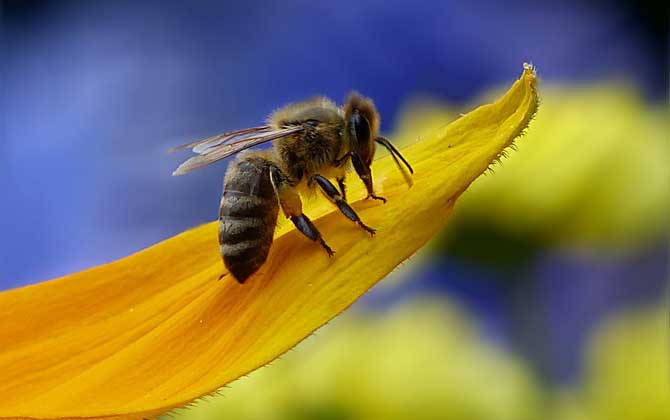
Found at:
(365, 175)
(331, 192)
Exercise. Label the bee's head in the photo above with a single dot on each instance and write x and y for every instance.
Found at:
(362, 125)
(362, 131)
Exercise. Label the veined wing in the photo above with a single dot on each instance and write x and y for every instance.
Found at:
(201, 146)
(215, 153)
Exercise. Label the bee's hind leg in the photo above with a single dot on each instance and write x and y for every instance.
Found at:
(291, 205)
(331, 192)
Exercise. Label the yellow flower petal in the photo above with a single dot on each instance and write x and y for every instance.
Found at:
(156, 330)
(423, 359)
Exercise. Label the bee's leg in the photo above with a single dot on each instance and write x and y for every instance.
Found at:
(343, 188)
(364, 173)
(291, 205)
(334, 195)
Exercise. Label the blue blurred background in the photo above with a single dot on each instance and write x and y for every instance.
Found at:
(95, 92)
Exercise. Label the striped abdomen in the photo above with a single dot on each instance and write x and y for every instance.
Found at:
(247, 216)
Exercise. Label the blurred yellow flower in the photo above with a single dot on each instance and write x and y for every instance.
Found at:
(627, 371)
(593, 175)
(423, 360)
(155, 330)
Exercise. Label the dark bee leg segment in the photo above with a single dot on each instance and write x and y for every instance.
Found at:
(308, 229)
(364, 173)
(334, 195)
(289, 201)
(343, 188)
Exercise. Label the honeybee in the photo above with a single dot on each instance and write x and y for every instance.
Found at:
(313, 141)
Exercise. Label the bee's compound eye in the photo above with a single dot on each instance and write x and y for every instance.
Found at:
(361, 127)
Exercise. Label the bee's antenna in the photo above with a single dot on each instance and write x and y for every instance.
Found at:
(394, 152)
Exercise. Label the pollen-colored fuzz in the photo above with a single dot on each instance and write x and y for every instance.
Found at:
(155, 330)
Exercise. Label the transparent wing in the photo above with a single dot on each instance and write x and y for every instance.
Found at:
(226, 146)
(201, 146)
